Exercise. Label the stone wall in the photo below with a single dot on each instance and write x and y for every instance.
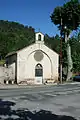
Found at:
(6, 74)
(2, 74)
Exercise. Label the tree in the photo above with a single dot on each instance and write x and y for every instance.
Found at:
(14, 36)
(75, 48)
(53, 42)
(69, 15)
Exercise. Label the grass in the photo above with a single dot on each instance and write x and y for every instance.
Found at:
(2, 62)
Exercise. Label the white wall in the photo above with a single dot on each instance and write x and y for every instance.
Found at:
(31, 63)
(7, 73)
(36, 36)
(11, 70)
(26, 63)
(2, 74)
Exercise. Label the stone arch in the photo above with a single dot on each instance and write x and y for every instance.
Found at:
(46, 55)
(38, 70)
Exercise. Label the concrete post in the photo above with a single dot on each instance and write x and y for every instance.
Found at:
(12, 82)
(7, 82)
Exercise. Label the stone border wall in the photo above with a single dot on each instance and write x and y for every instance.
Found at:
(6, 75)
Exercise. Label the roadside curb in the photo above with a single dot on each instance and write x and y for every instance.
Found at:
(34, 86)
(24, 86)
(73, 83)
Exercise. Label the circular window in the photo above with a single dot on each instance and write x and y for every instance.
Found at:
(38, 55)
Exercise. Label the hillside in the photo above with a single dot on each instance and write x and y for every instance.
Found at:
(14, 36)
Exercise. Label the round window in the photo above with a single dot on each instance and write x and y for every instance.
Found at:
(38, 55)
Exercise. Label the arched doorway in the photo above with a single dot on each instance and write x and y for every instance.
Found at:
(38, 74)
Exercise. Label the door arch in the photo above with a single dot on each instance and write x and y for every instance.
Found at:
(38, 70)
(38, 74)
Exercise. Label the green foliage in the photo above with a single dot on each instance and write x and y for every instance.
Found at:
(75, 48)
(14, 36)
(2, 62)
(76, 62)
(69, 13)
(53, 42)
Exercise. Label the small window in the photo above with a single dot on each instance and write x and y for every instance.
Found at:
(38, 70)
(39, 37)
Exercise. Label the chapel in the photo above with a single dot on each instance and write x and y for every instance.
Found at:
(34, 64)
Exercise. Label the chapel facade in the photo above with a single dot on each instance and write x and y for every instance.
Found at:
(35, 64)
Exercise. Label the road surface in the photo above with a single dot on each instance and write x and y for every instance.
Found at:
(59, 99)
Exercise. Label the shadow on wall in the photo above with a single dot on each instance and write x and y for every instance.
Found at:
(6, 113)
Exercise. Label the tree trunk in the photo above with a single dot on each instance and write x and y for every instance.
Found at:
(69, 59)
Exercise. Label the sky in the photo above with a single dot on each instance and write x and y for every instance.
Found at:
(35, 13)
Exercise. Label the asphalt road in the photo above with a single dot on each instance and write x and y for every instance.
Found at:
(60, 100)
